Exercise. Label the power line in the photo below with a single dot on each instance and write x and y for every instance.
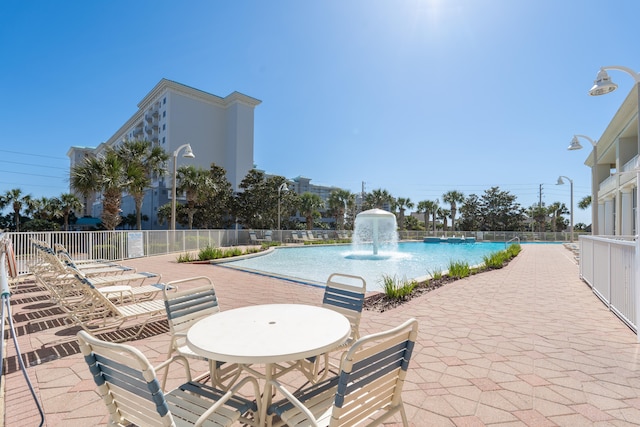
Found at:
(34, 155)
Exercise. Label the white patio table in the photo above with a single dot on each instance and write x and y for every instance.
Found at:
(268, 334)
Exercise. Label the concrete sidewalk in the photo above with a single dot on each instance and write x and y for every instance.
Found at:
(527, 345)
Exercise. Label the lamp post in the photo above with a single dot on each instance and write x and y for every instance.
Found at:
(575, 145)
(187, 154)
(560, 182)
(283, 187)
(603, 85)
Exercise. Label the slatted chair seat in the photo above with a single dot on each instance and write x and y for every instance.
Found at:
(368, 388)
(183, 309)
(132, 393)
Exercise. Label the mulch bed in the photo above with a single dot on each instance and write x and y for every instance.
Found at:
(380, 302)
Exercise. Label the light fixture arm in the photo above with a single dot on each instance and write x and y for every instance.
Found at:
(560, 182)
(632, 73)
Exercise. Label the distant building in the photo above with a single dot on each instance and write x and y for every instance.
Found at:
(219, 130)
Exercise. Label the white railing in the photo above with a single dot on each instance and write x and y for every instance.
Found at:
(119, 245)
(608, 266)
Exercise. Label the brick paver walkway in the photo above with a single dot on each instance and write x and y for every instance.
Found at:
(528, 345)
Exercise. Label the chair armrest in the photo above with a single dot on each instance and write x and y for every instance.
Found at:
(229, 394)
(177, 358)
(294, 401)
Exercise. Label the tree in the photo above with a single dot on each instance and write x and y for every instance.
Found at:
(141, 161)
(17, 200)
(443, 214)
(377, 199)
(338, 202)
(585, 202)
(403, 204)
(193, 182)
(471, 218)
(499, 211)
(453, 197)
(428, 207)
(538, 213)
(216, 208)
(104, 174)
(556, 210)
(310, 205)
(69, 203)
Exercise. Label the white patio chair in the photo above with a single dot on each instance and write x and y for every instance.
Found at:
(345, 294)
(184, 308)
(129, 387)
(367, 388)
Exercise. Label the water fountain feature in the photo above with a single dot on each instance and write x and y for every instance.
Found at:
(375, 229)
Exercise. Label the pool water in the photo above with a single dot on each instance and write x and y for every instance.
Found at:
(412, 260)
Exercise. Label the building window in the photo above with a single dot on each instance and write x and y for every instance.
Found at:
(164, 126)
(164, 113)
(164, 100)
(163, 138)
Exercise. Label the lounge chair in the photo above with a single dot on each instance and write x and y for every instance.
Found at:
(129, 388)
(368, 386)
(253, 238)
(184, 308)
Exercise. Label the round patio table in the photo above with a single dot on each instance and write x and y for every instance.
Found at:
(268, 334)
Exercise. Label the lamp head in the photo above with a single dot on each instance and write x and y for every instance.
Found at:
(602, 84)
(575, 144)
(560, 181)
(188, 153)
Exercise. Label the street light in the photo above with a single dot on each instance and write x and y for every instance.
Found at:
(187, 154)
(283, 187)
(575, 145)
(560, 182)
(601, 86)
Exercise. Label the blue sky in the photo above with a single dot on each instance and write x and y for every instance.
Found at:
(414, 97)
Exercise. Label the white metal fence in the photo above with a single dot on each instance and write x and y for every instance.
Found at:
(119, 245)
(608, 266)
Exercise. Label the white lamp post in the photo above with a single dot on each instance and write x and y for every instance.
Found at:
(283, 187)
(575, 145)
(603, 85)
(560, 182)
(188, 154)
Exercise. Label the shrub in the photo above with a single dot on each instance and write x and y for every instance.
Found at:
(209, 252)
(397, 289)
(185, 257)
(459, 269)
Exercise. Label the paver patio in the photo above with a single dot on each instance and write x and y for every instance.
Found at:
(527, 345)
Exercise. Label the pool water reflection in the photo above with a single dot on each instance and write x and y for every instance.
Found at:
(412, 260)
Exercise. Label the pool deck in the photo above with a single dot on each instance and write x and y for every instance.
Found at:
(527, 345)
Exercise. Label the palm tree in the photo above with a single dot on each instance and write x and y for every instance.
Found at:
(378, 199)
(428, 207)
(17, 200)
(192, 181)
(443, 214)
(338, 202)
(107, 175)
(142, 162)
(453, 197)
(69, 203)
(403, 204)
(310, 204)
(556, 210)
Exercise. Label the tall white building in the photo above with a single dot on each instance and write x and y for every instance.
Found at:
(219, 130)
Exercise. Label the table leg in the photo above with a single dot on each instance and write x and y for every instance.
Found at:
(266, 394)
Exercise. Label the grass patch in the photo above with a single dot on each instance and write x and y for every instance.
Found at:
(397, 289)
(459, 269)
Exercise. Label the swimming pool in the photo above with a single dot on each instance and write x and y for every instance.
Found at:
(412, 260)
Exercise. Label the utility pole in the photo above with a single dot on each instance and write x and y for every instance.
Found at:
(540, 202)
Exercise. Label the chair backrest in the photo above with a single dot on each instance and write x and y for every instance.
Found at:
(126, 381)
(345, 293)
(184, 308)
(372, 374)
